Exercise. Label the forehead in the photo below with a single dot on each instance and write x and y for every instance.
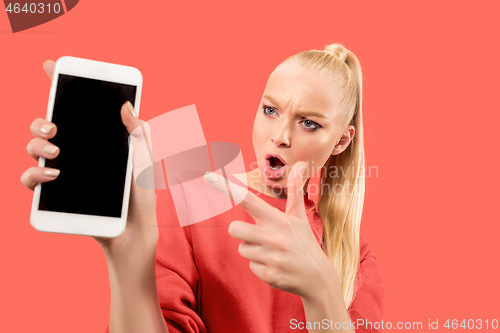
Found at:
(297, 88)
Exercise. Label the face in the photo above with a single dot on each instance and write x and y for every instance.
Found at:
(296, 121)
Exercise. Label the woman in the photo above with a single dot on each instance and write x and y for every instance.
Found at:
(300, 267)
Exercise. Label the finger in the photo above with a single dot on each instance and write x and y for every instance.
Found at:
(295, 190)
(48, 66)
(43, 128)
(40, 147)
(261, 271)
(260, 210)
(129, 117)
(252, 251)
(247, 232)
(140, 139)
(36, 175)
(262, 255)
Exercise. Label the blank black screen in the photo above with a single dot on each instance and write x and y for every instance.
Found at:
(93, 145)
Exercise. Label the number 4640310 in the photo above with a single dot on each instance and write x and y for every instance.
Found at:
(471, 324)
(33, 8)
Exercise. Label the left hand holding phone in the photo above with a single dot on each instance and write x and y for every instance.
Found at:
(131, 255)
(141, 225)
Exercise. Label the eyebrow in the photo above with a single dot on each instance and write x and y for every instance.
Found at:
(302, 112)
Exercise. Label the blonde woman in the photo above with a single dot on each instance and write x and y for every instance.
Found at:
(277, 262)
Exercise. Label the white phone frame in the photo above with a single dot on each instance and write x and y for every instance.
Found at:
(79, 224)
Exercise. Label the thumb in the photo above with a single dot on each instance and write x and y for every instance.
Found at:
(129, 117)
(139, 136)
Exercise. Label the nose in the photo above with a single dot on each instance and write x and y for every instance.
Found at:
(281, 136)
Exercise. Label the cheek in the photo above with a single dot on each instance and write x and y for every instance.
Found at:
(315, 151)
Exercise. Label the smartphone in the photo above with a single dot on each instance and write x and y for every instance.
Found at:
(91, 194)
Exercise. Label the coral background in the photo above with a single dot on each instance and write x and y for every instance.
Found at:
(431, 120)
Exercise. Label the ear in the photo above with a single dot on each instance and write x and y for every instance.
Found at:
(344, 140)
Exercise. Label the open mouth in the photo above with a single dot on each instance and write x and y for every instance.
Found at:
(276, 163)
(275, 166)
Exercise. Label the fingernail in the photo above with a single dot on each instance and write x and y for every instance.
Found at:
(210, 177)
(51, 172)
(50, 149)
(46, 128)
(131, 109)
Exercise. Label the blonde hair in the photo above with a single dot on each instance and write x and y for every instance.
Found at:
(341, 213)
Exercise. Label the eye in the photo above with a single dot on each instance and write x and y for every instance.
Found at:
(310, 125)
(266, 108)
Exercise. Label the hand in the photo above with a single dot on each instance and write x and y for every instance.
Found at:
(141, 222)
(282, 249)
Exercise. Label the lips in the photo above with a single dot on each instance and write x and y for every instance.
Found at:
(276, 172)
